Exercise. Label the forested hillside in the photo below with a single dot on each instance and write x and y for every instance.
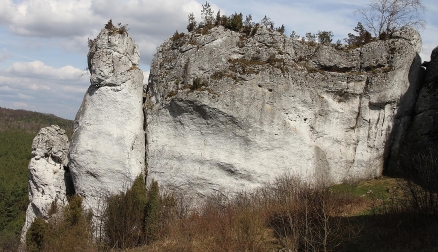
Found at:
(17, 130)
(30, 122)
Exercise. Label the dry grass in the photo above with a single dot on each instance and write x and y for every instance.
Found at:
(289, 215)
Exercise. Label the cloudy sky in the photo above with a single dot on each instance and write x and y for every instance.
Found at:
(43, 44)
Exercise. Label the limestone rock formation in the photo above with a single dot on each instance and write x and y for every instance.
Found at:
(48, 177)
(227, 112)
(423, 132)
(107, 151)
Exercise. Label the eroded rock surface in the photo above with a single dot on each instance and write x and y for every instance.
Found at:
(423, 132)
(107, 151)
(49, 180)
(228, 112)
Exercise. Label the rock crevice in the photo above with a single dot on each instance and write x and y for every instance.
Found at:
(422, 134)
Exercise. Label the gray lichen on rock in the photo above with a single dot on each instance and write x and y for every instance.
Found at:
(112, 55)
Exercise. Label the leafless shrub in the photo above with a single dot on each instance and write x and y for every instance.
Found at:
(407, 222)
(386, 16)
(421, 187)
(307, 217)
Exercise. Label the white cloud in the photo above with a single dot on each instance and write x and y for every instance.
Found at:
(5, 54)
(51, 35)
(39, 69)
(24, 97)
(20, 105)
(72, 22)
(430, 40)
(17, 83)
(47, 18)
(146, 77)
(79, 18)
(35, 85)
(426, 51)
(5, 89)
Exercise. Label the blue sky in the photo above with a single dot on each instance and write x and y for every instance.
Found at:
(43, 46)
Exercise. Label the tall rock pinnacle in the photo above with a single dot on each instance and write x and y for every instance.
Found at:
(48, 179)
(107, 151)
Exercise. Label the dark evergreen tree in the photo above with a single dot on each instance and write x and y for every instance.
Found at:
(152, 212)
(192, 22)
(325, 37)
(35, 235)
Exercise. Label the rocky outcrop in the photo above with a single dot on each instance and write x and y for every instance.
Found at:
(49, 180)
(227, 112)
(107, 150)
(422, 135)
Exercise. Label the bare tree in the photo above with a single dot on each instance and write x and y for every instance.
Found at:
(267, 22)
(386, 16)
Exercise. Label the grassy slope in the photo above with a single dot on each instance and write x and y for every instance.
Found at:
(386, 221)
(17, 130)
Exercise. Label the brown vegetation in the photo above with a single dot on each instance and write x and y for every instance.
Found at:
(287, 214)
(383, 214)
(290, 215)
(119, 29)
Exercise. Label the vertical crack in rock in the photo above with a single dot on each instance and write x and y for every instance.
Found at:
(356, 130)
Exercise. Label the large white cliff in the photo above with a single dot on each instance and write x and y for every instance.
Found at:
(107, 150)
(228, 112)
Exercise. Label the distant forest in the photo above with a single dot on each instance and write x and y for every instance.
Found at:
(17, 130)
